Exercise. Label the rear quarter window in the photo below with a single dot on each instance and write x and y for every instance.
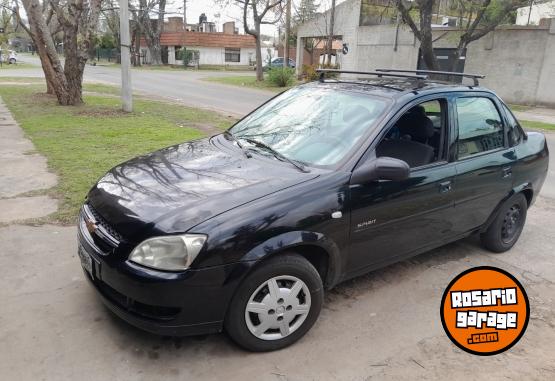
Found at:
(515, 132)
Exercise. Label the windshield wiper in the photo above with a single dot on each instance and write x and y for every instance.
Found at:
(278, 155)
(243, 149)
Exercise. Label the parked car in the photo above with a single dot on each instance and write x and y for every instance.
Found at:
(277, 63)
(8, 56)
(245, 230)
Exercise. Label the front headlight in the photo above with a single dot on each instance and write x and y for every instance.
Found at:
(172, 253)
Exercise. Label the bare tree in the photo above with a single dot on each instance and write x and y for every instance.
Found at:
(260, 12)
(78, 20)
(305, 11)
(476, 18)
(151, 29)
(6, 16)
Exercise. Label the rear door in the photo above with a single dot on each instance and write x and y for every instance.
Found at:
(483, 159)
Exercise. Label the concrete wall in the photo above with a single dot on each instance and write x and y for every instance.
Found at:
(519, 62)
(375, 46)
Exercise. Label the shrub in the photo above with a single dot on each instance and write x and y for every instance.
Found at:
(187, 56)
(309, 73)
(331, 67)
(281, 76)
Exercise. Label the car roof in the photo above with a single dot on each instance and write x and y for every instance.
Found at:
(396, 88)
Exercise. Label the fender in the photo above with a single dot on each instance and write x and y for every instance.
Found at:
(517, 189)
(293, 239)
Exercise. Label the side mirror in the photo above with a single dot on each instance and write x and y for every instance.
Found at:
(381, 168)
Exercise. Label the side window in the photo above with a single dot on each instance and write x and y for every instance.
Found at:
(418, 135)
(480, 126)
(515, 132)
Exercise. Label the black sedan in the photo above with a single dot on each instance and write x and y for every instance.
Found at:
(245, 230)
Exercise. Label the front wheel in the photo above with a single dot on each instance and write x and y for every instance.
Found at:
(276, 305)
(505, 229)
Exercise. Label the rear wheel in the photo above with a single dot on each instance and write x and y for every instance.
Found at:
(505, 229)
(276, 305)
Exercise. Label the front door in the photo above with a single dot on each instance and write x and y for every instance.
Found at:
(394, 219)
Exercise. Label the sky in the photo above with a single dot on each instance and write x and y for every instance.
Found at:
(230, 12)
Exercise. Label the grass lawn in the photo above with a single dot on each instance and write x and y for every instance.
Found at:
(82, 143)
(12, 79)
(247, 81)
(20, 65)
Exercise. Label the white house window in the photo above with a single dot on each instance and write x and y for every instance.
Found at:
(232, 55)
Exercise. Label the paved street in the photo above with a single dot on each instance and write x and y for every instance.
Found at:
(384, 325)
(186, 87)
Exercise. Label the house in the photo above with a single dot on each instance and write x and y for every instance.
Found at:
(227, 48)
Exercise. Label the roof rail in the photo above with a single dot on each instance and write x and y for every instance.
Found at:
(475, 77)
(418, 77)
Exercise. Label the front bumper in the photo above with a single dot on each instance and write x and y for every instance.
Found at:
(174, 304)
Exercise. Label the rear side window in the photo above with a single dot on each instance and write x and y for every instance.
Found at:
(480, 126)
(515, 132)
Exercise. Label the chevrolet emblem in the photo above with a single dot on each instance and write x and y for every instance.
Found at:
(91, 225)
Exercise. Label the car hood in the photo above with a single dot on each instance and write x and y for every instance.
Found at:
(176, 188)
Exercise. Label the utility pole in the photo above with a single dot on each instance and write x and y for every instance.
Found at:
(287, 34)
(530, 11)
(125, 42)
(185, 14)
(331, 34)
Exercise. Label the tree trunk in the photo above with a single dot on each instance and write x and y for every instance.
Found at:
(152, 34)
(259, 72)
(42, 39)
(73, 68)
(426, 38)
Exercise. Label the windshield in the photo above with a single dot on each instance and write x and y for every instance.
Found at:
(315, 126)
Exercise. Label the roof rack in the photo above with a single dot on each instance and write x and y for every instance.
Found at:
(474, 77)
(418, 77)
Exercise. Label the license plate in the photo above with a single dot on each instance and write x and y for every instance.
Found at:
(86, 260)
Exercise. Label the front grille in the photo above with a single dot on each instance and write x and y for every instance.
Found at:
(100, 221)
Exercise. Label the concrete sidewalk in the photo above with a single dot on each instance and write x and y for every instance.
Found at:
(22, 172)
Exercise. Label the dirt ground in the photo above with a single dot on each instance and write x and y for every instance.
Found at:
(382, 325)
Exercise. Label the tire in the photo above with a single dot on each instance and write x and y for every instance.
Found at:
(298, 312)
(505, 229)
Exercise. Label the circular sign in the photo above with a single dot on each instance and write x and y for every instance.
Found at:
(485, 310)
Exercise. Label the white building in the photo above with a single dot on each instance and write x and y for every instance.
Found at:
(215, 48)
(539, 11)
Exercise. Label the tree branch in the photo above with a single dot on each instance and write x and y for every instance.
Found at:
(407, 18)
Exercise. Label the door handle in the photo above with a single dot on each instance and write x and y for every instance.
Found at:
(445, 186)
(507, 171)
